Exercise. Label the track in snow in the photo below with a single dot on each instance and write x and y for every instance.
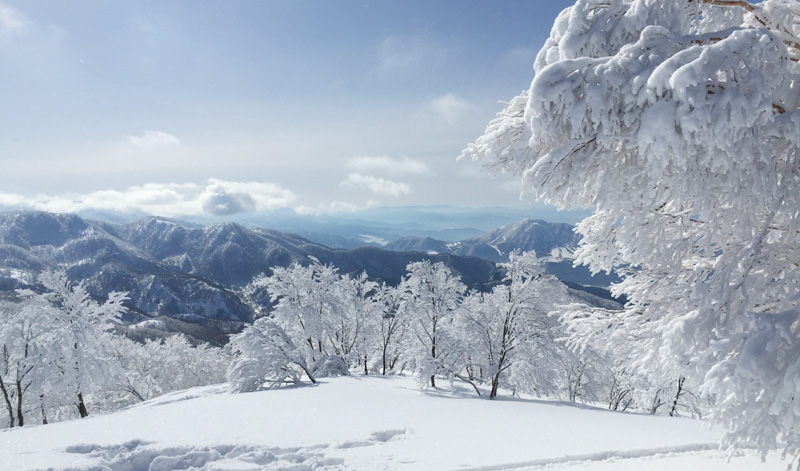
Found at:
(596, 457)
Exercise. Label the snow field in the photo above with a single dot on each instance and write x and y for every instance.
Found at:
(366, 423)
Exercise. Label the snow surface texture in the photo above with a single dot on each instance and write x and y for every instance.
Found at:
(367, 423)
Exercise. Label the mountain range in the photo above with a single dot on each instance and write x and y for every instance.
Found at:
(373, 226)
(554, 243)
(190, 273)
(552, 240)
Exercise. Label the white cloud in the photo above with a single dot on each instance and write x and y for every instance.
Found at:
(386, 164)
(225, 198)
(449, 107)
(12, 21)
(153, 139)
(377, 185)
(217, 197)
(170, 199)
(11, 199)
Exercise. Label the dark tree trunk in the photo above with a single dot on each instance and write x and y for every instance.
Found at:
(41, 406)
(20, 419)
(495, 384)
(82, 406)
(308, 373)
(385, 347)
(674, 410)
(500, 367)
(7, 400)
(433, 355)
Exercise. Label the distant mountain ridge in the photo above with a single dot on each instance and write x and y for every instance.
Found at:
(173, 270)
(548, 239)
(195, 273)
(418, 244)
(373, 226)
(554, 243)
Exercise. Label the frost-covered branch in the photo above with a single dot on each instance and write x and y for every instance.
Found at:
(677, 123)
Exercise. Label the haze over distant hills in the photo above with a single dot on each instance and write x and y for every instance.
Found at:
(555, 240)
(554, 243)
(375, 226)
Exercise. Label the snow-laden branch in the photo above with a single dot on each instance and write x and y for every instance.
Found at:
(677, 123)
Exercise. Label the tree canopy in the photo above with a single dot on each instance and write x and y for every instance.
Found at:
(677, 124)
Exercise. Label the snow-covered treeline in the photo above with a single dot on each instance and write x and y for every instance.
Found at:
(62, 356)
(323, 323)
(59, 358)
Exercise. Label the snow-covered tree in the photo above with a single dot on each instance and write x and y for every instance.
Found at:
(74, 325)
(351, 326)
(433, 294)
(159, 366)
(200, 364)
(677, 123)
(521, 322)
(324, 312)
(322, 324)
(509, 338)
(23, 336)
(305, 301)
(142, 366)
(265, 355)
(391, 327)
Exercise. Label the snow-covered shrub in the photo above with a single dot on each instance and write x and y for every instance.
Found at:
(332, 365)
(265, 356)
(159, 366)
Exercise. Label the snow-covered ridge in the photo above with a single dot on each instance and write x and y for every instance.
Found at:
(555, 240)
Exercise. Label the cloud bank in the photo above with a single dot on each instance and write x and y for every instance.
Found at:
(217, 197)
(223, 198)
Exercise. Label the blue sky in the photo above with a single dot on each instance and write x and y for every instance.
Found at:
(178, 107)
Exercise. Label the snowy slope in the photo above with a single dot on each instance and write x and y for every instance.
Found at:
(366, 423)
